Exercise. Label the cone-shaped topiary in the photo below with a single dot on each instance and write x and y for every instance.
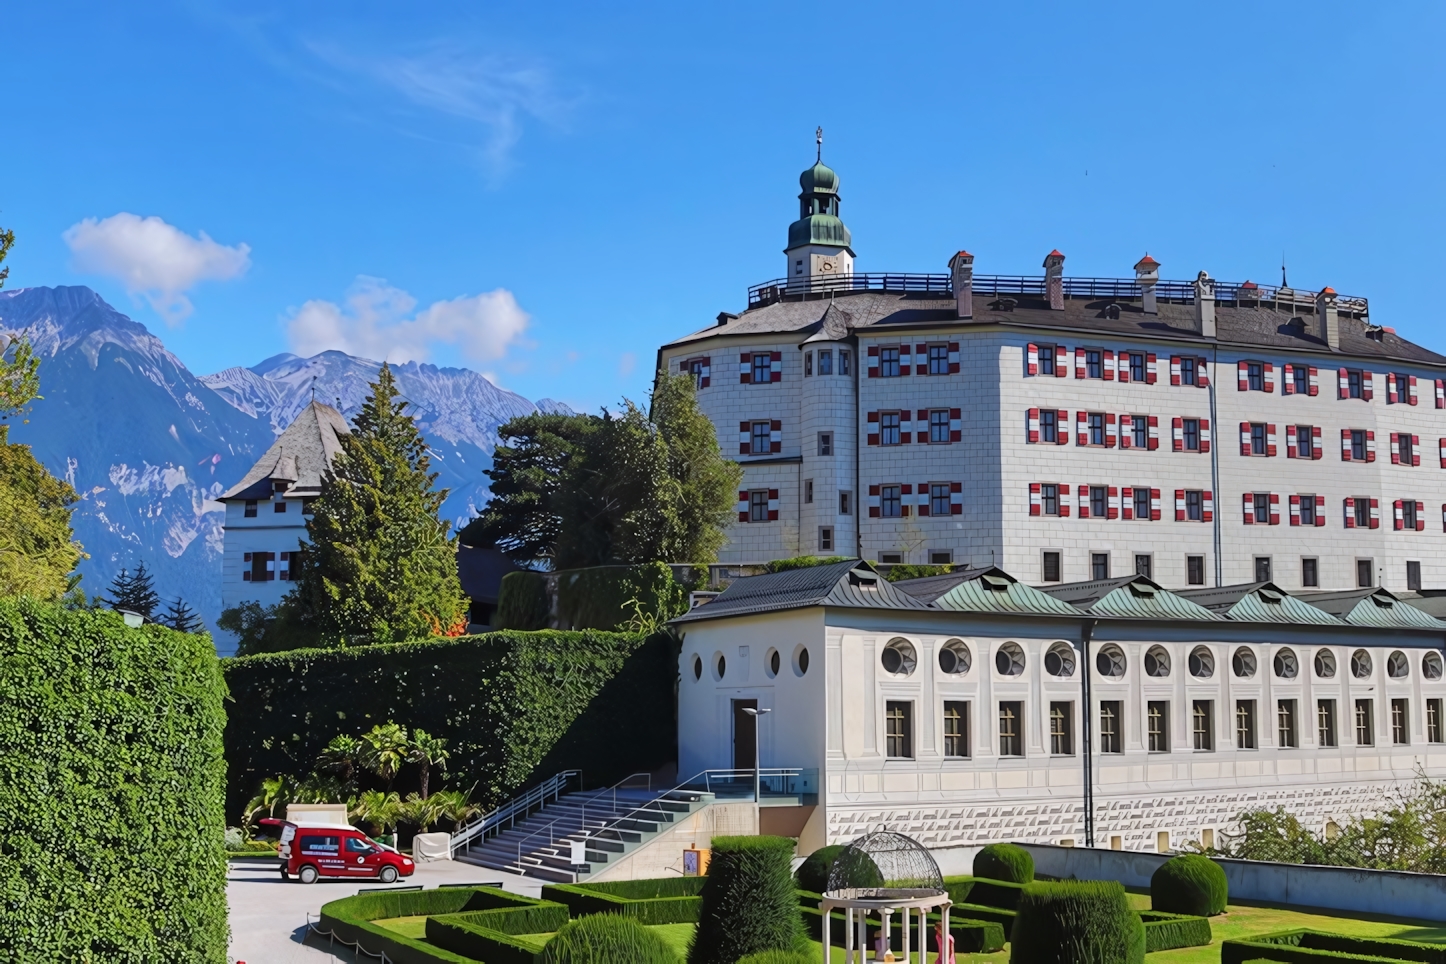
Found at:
(1004, 861)
(1189, 884)
(748, 901)
(1076, 922)
(778, 957)
(607, 939)
(812, 874)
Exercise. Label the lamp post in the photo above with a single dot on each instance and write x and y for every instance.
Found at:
(757, 777)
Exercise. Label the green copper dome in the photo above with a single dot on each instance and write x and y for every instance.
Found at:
(818, 221)
(819, 179)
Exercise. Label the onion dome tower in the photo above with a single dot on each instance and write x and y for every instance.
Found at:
(818, 242)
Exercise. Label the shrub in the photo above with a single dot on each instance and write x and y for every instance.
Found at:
(812, 874)
(1004, 861)
(1076, 922)
(916, 571)
(1321, 947)
(607, 939)
(778, 957)
(657, 901)
(802, 562)
(1189, 884)
(599, 597)
(112, 787)
(350, 919)
(857, 868)
(522, 602)
(748, 901)
(1165, 932)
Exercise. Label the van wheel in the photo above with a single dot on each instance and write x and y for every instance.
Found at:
(307, 874)
(388, 875)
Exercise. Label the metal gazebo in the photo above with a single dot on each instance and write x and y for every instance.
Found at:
(880, 873)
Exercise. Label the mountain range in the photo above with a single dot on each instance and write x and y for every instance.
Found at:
(149, 446)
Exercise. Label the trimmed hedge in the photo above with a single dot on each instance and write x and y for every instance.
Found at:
(812, 874)
(970, 936)
(112, 785)
(1164, 932)
(1189, 884)
(514, 706)
(490, 935)
(988, 893)
(522, 602)
(648, 888)
(351, 919)
(1322, 947)
(748, 901)
(1076, 922)
(1006, 862)
(584, 899)
(598, 597)
(607, 939)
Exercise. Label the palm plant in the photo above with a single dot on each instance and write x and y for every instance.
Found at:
(427, 751)
(382, 811)
(276, 793)
(341, 757)
(423, 811)
(453, 805)
(385, 748)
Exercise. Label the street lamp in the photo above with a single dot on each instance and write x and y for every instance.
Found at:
(757, 780)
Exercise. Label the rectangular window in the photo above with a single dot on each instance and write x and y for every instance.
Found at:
(888, 363)
(889, 501)
(1141, 495)
(1403, 446)
(1049, 498)
(891, 558)
(1190, 429)
(1325, 722)
(759, 439)
(1137, 366)
(888, 428)
(899, 729)
(1408, 514)
(1413, 575)
(1365, 729)
(1403, 388)
(758, 505)
(1195, 570)
(1255, 376)
(1434, 732)
(825, 538)
(1096, 423)
(808, 364)
(1245, 724)
(1365, 573)
(845, 503)
(1285, 723)
(1011, 728)
(1194, 505)
(1051, 567)
(1187, 371)
(1049, 425)
(1061, 727)
(1099, 501)
(1361, 508)
(281, 507)
(941, 557)
(939, 498)
(1257, 438)
(1400, 722)
(1140, 431)
(1309, 572)
(1111, 725)
(843, 361)
(956, 728)
(1046, 359)
(250, 508)
(1202, 724)
(1300, 375)
(825, 362)
(1261, 504)
(1304, 442)
(1262, 569)
(1144, 565)
(808, 491)
(825, 444)
(1307, 510)
(1093, 366)
(938, 359)
(938, 425)
(1353, 383)
(1099, 565)
(695, 367)
(762, 368)
(1157, 717)
(1358, 445)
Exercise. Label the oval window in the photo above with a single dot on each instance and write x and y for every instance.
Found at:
(1286, 665)
(1111, 662)
(898, 657)
(1009, 660)
(1059, 661)
(954, 657)
(775, 661)
(697, 667)
(1361, 664)
(1202, 663)
(1243, 663)
(1431, 666)
(1325, 664)
(721, 666)
(1396, 665)
(802, 660)
(1157, 662)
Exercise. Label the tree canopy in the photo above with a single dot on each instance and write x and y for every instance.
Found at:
(135, 592)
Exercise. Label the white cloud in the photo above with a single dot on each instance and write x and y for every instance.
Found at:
(154, 259)
(376, 321)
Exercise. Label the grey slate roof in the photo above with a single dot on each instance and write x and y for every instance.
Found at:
(1371, 607)
(1248, 325)
(1130, 597)
(1258, 602)
(985, 589)
(298, 457)
(852, 584)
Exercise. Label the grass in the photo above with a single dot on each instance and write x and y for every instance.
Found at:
(413, 927)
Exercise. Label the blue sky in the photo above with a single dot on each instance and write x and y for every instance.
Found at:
(547, 192)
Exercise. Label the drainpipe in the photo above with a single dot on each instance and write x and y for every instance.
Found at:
(1086, 630)
(1215, 465)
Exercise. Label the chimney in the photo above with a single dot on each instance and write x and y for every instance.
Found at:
(1205, 305)
(1147, 274)
(1329, 321)
(961, 271)
(1054, 279)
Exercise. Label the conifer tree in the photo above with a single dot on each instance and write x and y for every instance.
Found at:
(135, 592)
(708, 481)
(180, 617)
(380, 567)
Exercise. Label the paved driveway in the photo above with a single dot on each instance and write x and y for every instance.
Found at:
(269, 915)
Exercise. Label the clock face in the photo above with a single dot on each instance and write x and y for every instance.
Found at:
(826, 266)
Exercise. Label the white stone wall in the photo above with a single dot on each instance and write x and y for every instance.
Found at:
(269, 531)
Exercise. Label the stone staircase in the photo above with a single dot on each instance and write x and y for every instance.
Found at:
(613, 822)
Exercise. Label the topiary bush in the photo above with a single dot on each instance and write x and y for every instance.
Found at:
(1004, 861)
(1076, 922)
(522, 602)
(748, 901)
(812, 874)
(607, 939)
(1189, 884)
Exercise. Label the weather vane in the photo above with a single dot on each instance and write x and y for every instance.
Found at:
(818, 137)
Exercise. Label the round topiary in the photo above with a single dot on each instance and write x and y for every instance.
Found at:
(812, 874)
(607, 939)
(1004, 861)
(778, 957)
(1189, 884)
(749, 904)
(1076, 922)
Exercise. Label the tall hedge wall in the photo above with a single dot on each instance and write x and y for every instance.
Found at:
(514, 706)
(111, 790)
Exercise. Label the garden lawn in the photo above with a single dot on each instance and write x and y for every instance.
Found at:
(413, 927)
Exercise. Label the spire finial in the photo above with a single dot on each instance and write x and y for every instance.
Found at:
(1282, 271)
(313, 389)
(818, 137)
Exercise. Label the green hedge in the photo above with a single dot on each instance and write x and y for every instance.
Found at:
(648, 888)
(778, 957)
(1189, 884)
(988, 893)
(350, 919)
(491, 935)
(812, 874)
(1321, 947)
(970, 936)
(514, 707)
(112, 782)
(583, 899)
(522, 602)
(748, 901)
(1006, 862)
(594, 598)
(1076, 922)
(1164, 932)
(607, 939)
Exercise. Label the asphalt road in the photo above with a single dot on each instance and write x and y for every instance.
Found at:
(269, 915)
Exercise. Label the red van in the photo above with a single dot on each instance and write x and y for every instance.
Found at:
(314, 850)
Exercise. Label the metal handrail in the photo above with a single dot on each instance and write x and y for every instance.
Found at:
(550, 788)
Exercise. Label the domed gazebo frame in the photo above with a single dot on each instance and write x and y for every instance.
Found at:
(880, 873)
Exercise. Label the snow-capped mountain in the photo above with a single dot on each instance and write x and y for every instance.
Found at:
(149, 446)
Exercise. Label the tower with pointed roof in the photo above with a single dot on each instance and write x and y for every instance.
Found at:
(818, 242)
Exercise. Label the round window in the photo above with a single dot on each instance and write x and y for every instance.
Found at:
(1325, 664)
(1110, 662)
(1243, 663)
(1059, 661)
(1157, 662)
(1202, 663)
(1361, 664)
(1009, 660)
(1431, 666)
(697, 667)
(898, 657)
(1396, 665)
(1286, 665)
(954, 657)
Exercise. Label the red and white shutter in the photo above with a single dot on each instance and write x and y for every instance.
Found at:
(1350, 507)
(1320, 510)
(775, 437)
(1113, 502)
(1242, 373)
(1420, 517)
(706, 373)
(1375, 513)
(1084, 502)
(1154, 432)
(1179, 505)
(1368, 390)
(1031, 364)
(1154, 505)
(956, 498)
(1370, 446)
(1411, 396)
(1316, 449)
(956, 425)
(1110, 430)
(1124, 366)
(772, 505)
(1081, 431)
(1287, 382)
(1061, 427)
(1345, 445)
(1066, 499)
(1441, 445)
(873, 502)
(1174, 369)
(1443, 517)
(1441, 393)
(1395, 449)
(953, 348)
(1202, 373)
(905, 361)
(1392, 396)
(1399, 514)
(1107, 369)
(921, 352)
(1274, 509)
(1248, 506)
(1126, 426)
(1204, 435)
(1314, 381)
(1127, 503)
(873, 361)
(775, 362)
(905, 424)
(745, 438)
(742, 506)
(1209, 514)
(873, 424)
(1079, 363)
(1151, 363)
(1244, 438)
(1177, 432)
(1270, 440)
(1343, 384)
(1291, 451)
(923, 495)
(1061, 361)
(1416, 450)
(1270, 377)
(745, 369)
(1295, 510)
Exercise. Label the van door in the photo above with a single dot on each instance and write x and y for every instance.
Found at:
(323, 850)
(745, 733)
(362, 859)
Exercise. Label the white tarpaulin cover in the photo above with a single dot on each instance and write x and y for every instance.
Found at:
(432, 846)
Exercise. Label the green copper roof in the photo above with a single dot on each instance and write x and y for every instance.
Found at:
(818, 229)
(819, 179)
(818, 221)
(1131, 597)
(1372, 607)
(985, 590)
(1259, 602)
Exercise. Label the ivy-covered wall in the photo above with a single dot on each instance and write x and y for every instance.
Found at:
(111, 790)
(515, 707)
(599, 597)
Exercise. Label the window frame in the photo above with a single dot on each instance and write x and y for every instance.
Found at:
(1157, 726)
(1061, 728)
(939, 499)
(1047, 355)
(1094, 363)
(1140, 432)
(845, 502)
(1286, 724)
(1255, 376)
(1011, 739)
(938, 353)
(890, 497)
(889, 365)
(1140, 373)
(1190, 434)
(761, 374)
(1140, 494)
(1044, 562)
(1365, 723)
(1400, 721)
(825, 445)
(1434, 730)
(1355, 383)
(1202, 725)
(1112, 718)
(1189, 374)
(899, 729)
(754, 434)
(1192, 563)
(1309, 572)
(825, 361)
(1194, 505)
(1049, 495)
(757, 505)
(1099, 562)
(1300, 379)
(1327, 727)
(938, 426)
(825, 539)
(960, 748)
(1246, 726)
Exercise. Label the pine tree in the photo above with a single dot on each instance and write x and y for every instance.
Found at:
(708, 480)
(180, 617)
(135, 592)
(381, 567)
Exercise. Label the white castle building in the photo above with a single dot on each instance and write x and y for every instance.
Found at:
(1197, 432)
